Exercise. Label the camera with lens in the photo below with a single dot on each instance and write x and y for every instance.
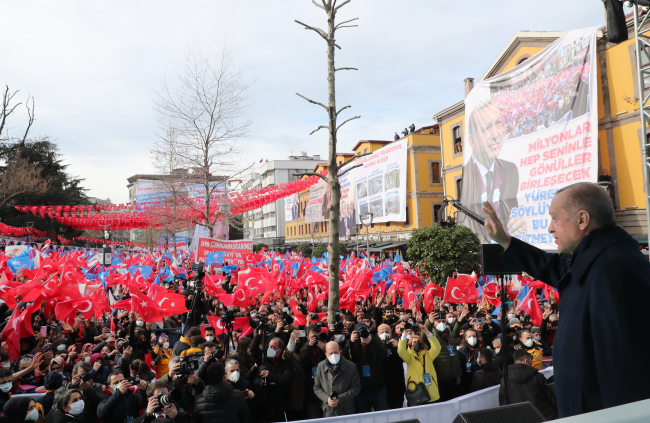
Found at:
(286, 319)
(134, 380)
(218, 354)
(338, 328)
(413, 326)
(322, 337)
(261, 324)
(228, 316)
(166, 400)
(363, 333)
(85, 377)
(189, 364)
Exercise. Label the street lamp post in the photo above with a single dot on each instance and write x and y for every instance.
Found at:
(106, 251)
(366, 220)
(314, 230)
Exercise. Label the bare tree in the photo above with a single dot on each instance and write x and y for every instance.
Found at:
(21, 178)
(204, 106)
(331, 8)
(7, 108)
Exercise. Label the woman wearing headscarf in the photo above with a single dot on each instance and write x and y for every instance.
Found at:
(99, 372)
(419, 361)
(20, 409)
(69, 408)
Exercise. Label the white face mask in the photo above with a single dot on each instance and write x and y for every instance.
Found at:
(408, 336)
(384, 336)
(339, 338)
(402, 317)
(7, 365)
(511, 316)
(165, 345)
(233, 376)
(87, 359)
(140, 323)
(77, 408)
(60, 347)
(334, 359)
(451, 320)
(270, 352)
(6, 387)
(528, 343)
(209, 338)
(537, 338)
(32, 416)
(441, 327)
(496, 350)
(471, 340)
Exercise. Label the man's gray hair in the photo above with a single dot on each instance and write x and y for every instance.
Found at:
(232, 362)
(592, 198)
(81, 364)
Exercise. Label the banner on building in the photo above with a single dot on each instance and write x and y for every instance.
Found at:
(291, 207)
(348, 216)
(529, 132)
(318, 206)
(381, 183)
(236, 250)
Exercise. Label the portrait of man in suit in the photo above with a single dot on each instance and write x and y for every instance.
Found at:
(294, 207)
(485, 176)
(326, 203)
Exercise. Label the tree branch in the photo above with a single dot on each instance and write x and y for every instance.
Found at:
(318, 5)
(341, 5)
(347, 170)
(338, 69)
(312, 101)
(320, 127)
(30, 113)
(316, 30)
(356, 117)
(346, 107)
(347, 26)
(353, 159)
(311, 174)
(343, 23)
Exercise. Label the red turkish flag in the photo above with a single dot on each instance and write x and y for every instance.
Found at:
(240, 297)
(240, 324)
(432, 290)
(459, 291)
(531, 306)
(171, 303)
(11, 334)
(312, 278)
(147, 308)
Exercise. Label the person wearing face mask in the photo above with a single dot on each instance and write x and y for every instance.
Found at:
(141, 349)
(98, 371)
(274, 380)
(527, 343)
(165, 353)
(312, 353)
(247, 365)
(541, 342)
(6, 386)
(69, 409)
(502, 353)
(419, 361)
(337, 375)
(92, 391)
(368, 353)
(221, 402)
(489, 374)
(467, 355)
(393, 368)
(196, 343)
(20, 409)
(446, 364)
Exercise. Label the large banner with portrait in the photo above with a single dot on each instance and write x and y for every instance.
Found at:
(291, 207)
(381, 183)
(529, 132)
(318, 206)
(348, 215)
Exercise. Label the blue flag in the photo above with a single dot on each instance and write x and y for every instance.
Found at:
(397, 258)
(215, 259)
(229, 269)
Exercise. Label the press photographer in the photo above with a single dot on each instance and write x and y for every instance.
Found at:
(312, 353)
(182, 376)
(195, 299)
(368, 353)
(82, 381)
(211, 354)
(160, 404)
(124, 401)
(221, 402)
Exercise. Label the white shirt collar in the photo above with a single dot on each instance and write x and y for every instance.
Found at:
(482, 168)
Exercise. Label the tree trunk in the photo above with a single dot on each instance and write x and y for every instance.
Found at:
(332, 179)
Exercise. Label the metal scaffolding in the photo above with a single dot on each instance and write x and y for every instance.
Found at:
(643, 47)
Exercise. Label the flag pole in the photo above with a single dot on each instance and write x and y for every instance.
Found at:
(504, 346)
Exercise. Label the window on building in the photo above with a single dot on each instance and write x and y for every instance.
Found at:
(458, 141)
(459, 185)
(387, 224)
(365, 150)
(408, 216)
(435, 173)
(436, 213)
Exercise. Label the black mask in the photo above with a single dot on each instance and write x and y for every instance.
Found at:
(417, 347)
(143, 345)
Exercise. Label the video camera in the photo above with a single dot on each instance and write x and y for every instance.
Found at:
(166, 400)
(258, 321)
(189, 364)
(413, 326)
(228, 316)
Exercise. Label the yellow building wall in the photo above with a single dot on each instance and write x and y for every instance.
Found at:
(620, 79)
(604, 151)
(628, 165)
(521, 52)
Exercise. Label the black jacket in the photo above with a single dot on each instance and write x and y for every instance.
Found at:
(55, 416)
(273, 391)
(309, 359)
(221, 403)
(525, 383)
(489, 375)
(372, 355)
(114, 408)
(593, 348)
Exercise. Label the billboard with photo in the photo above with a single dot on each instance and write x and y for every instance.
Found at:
(318, 206)
(348, 215)
(380, 183)
(529, 132)
(291, 207)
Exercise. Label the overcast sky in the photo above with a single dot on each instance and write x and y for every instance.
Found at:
(91, 67)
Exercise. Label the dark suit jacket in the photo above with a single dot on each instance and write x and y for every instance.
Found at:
(603, 313)
(472, 188)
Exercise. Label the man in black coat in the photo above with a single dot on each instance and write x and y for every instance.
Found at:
(368, 353)
(526, 383)
(595, 358)
(489, 374)
(393, 368)
(311, 354)
(220, 402)
(121, 403)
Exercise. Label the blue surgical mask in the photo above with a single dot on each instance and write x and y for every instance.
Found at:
(6, 387)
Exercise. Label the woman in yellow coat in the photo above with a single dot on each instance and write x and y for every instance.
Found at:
(165, 353)
(419, 361)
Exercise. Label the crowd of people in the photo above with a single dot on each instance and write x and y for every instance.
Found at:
(553, 94)
(265, 366)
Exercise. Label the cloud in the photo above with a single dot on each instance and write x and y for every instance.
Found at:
(91, 66)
